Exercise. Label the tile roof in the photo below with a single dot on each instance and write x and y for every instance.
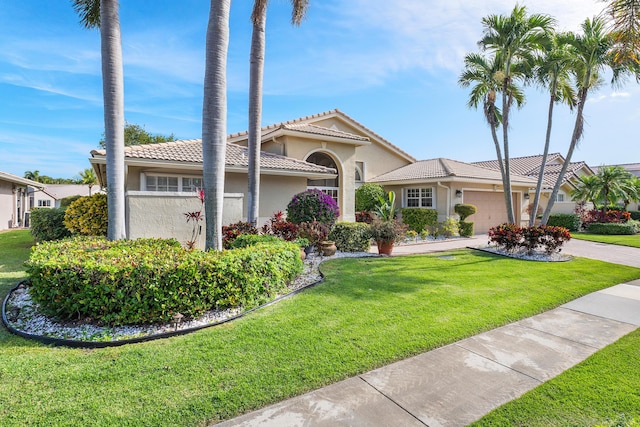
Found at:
(318, 130)
(191, 151)
(334, 112)
(442, 168)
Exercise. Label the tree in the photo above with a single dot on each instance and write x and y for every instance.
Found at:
(624, 18)
(103, 14)
(256, 73)
(32, 175)
(552, 73)
(137, 135)
(607, 187)
(587, 189)
(214, 120)
(591, 55)
(88, 177)
(514, 40)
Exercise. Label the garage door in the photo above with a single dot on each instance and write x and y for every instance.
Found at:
(491, 209)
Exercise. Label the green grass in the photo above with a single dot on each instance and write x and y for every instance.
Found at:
(15, 247)
(628, 240)
(369, 312)
(602, 389)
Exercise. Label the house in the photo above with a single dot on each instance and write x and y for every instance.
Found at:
(50, 195)
(13, 200)
(329, 151)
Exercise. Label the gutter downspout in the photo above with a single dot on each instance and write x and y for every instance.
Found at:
(448, 197)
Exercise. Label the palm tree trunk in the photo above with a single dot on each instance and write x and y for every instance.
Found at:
(575, 137)
(214, 120)
(545, 154)
(113, 92)
(256, 73)
(506, 178)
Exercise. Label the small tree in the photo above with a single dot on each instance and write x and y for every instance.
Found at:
(138, 135)
(465, 210)
(367, 197)
(312, 205)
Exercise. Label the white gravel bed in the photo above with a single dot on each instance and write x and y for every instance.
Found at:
(536, 256)
(23, 313)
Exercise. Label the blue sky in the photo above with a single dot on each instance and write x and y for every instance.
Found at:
(393, 66)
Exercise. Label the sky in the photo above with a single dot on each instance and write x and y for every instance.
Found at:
(391, 65)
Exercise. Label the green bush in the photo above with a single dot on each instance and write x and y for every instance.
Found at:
(48, 224)
(465, 210)
(244, 240)
(449, 227)
(572, 222)
(88, 216)
(367, 196)
(351, 236)
(466, 228)
(611, 228)
(418, 219)
(150, 280)
(65, 202)
(635, 215)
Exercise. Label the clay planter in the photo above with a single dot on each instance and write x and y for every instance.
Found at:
(327, 247)
(303, 254)
(385, 247)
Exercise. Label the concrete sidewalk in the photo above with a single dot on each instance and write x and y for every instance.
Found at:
(459, 383)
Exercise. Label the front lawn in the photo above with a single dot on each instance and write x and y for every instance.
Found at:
(368, 313)
(627, 240)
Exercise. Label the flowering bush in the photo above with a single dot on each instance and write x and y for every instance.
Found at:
(280, 227)
(609, 216)
(513, 238)
(313, 205)
(232, 231)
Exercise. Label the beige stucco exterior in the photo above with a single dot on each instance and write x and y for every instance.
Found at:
(13, 200)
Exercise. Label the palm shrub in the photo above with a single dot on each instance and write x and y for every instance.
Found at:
(88, 216)
(367, 197)
(313, 205)
(48, 224)
(351, 236)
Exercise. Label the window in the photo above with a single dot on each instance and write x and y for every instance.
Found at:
(359, 172)
(44, 203)
(191, 184)
(419, 197)
(560, 197)
(172, 183)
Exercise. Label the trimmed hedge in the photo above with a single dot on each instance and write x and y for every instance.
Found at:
(465, 210)
(465, 229)
(635, 215)
(611, 228)
(351, 236)
(368, 197)
(88, 216)
(151, 280)
(48, 224)
(417, 219)
(571, 222)
(245, 240)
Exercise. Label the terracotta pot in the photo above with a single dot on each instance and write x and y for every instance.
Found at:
(328, 248)
(303, 254)
(385, 247)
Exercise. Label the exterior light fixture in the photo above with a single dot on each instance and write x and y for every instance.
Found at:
(458, 193)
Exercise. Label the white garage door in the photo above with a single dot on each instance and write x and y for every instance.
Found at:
(491, 209)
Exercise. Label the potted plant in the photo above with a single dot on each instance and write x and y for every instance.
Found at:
(314, 232)
(385, 233)
(303, 243)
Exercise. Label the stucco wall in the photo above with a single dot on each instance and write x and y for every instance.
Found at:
(6, 205)
(161, 214)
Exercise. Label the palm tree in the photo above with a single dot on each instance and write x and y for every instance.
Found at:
(514, 39)
(616, 184)
(624, 18)
(214, 120)
(32, 175)
(256, 72)
(588, 189)
(591, 56)
(88, 177)
(552, 73)
(103, 14)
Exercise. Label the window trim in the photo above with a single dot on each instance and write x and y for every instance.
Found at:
(145, 175)
(405, 197)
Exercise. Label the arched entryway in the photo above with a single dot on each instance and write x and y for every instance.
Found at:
(328, 186)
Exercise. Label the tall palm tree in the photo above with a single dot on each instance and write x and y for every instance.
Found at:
(256, 73)
(624, 17)
(516, 38)
(591, 56)
(552, 73)
(214, 120)
(103, 14)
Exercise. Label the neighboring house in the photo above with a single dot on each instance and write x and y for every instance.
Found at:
(330, 151)
(13, 200)
(50, 195)
(530, 166)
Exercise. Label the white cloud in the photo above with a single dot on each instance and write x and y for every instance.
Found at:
(620, 95)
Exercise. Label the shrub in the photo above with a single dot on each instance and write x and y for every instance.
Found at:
(88, 216)
(464, 210)
(418, 219)
(449, 227)
(611, 228)
(635, 215)
(411, 235)
(610, 216)
(151, 280)
(364, 216)
(571, 222)
(65, 202)
(48, 224)
(314, 232)
(511, 237)
(387, 231)
(351, 236)
(232, 231)
(466, 228)
(280, 227)
(312, 205)
(367, 197)
(507, 236)
(245, 240)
